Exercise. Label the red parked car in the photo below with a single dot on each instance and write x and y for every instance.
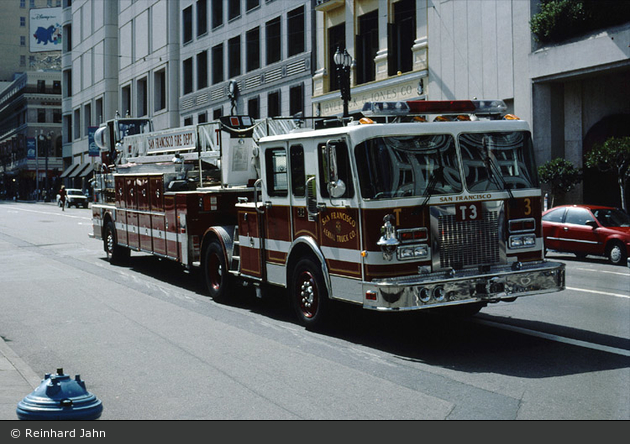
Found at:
(588, 229)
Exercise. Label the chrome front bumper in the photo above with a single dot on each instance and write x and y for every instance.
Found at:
(440, 289)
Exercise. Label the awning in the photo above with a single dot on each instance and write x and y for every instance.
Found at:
(69, 170)
(87, 170)
(79, 170)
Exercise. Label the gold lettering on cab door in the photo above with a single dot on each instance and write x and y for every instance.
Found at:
(339, 227)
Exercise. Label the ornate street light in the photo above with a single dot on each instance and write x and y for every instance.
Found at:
(343, 62)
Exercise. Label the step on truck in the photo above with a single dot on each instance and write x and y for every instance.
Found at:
(409, 206)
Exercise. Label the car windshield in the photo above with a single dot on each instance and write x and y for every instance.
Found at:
(75, 193)
(406, 166)
(610, 217)
(497, 161)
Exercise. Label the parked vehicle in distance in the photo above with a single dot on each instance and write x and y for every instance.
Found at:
(588, 229)
(74, 196)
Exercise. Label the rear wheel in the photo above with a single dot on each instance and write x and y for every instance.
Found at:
(115, 253)
(308, 293)
(216, 274)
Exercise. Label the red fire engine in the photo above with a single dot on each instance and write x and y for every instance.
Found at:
(417, 205)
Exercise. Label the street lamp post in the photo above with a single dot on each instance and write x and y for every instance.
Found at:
(343, 62)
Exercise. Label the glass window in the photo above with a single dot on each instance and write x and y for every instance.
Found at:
(367, 47)
(498, 161)
(217, 13)
(298, 178)
(252, 42)
(217, 63)
(408, 166)
(578, 216)
(253, 107)
(187, 24)
(188, 75)
(143, 104)
(273, 104)
(610, 217)
(202, 69)
(336, 40)
(202, 17)
(555, 215)
(296, 30)
(276, 163)
(274, 41)
(296, 100)
(234, 56)
(234, 9)
(343, 169)
(400, 37)
(159, 93)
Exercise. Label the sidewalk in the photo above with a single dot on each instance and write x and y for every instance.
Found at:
(17, 380)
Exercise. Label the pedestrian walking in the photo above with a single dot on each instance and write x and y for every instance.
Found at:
(62, 197)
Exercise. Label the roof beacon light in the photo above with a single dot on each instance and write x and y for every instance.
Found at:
(403, 108)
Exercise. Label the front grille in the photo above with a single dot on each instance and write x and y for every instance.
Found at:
(469, 243)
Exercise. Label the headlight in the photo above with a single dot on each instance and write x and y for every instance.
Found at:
(523, 241)
(408, 252)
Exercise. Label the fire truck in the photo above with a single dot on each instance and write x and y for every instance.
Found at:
(408, 206)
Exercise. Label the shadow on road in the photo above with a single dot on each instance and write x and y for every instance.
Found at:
(434, 339)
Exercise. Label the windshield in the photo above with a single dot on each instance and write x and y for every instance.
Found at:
(130, 127)
(612, 217)
(497, 161)
(74, 193)
(407, 166)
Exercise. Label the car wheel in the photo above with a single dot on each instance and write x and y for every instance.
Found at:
(616, 253)
(115, 253)
(216, 273)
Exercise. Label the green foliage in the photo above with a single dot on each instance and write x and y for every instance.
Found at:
(561, 175)
(612, 155)
(559, 20)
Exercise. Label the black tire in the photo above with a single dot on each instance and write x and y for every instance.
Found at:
(215, 272)
(616, 253)
(116, 254)
(308, 293)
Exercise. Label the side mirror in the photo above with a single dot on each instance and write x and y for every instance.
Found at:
(592, 224)
(336, 187)
(311, 199)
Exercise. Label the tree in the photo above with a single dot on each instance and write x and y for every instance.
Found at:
(612, 155)
(561, 175)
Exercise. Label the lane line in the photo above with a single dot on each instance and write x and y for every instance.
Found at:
(625, 296)
(603, 271)
(539, 334)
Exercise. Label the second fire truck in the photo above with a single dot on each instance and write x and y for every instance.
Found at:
(416, 205)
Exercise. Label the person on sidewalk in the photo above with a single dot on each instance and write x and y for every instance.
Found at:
(62, 197)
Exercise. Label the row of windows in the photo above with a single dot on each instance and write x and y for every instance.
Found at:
(253, 59)
(31, 4)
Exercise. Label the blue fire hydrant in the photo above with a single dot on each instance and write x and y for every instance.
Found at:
(60, 398)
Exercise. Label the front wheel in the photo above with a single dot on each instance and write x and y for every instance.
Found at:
(216, 274)
(308, 293)
(617, 254)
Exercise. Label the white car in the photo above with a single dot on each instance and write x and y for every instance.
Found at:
(74, 197)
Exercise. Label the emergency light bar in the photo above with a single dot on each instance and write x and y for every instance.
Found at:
(408, 107)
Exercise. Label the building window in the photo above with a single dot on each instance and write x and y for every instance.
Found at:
(296, 31)
(400, 38)
(367, 47)
(159, 91)
(56, 116)
(187, 24)
(202, 118)
(273, 104)
(22, 4)
(67, 126)
(336, 40)
(41, 115)
(251, 4)
(22, 60)
(253, 107)
(217, 64)
(188, 121)
(234, 9)
(274, 41)
(41, 86)
(187, 69)
(234, 56)
(67, 38)
(77, 123)
(202, 70)
(217, 112)
(217, 13)
(87, 117)
(22, 22)
(252, 43)
(67, 83)
(125, 100)
(202, 17)
(276, 161)
(22, 40)
(98, 118)
(143, 106)
(296, 100)
(56, 87)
